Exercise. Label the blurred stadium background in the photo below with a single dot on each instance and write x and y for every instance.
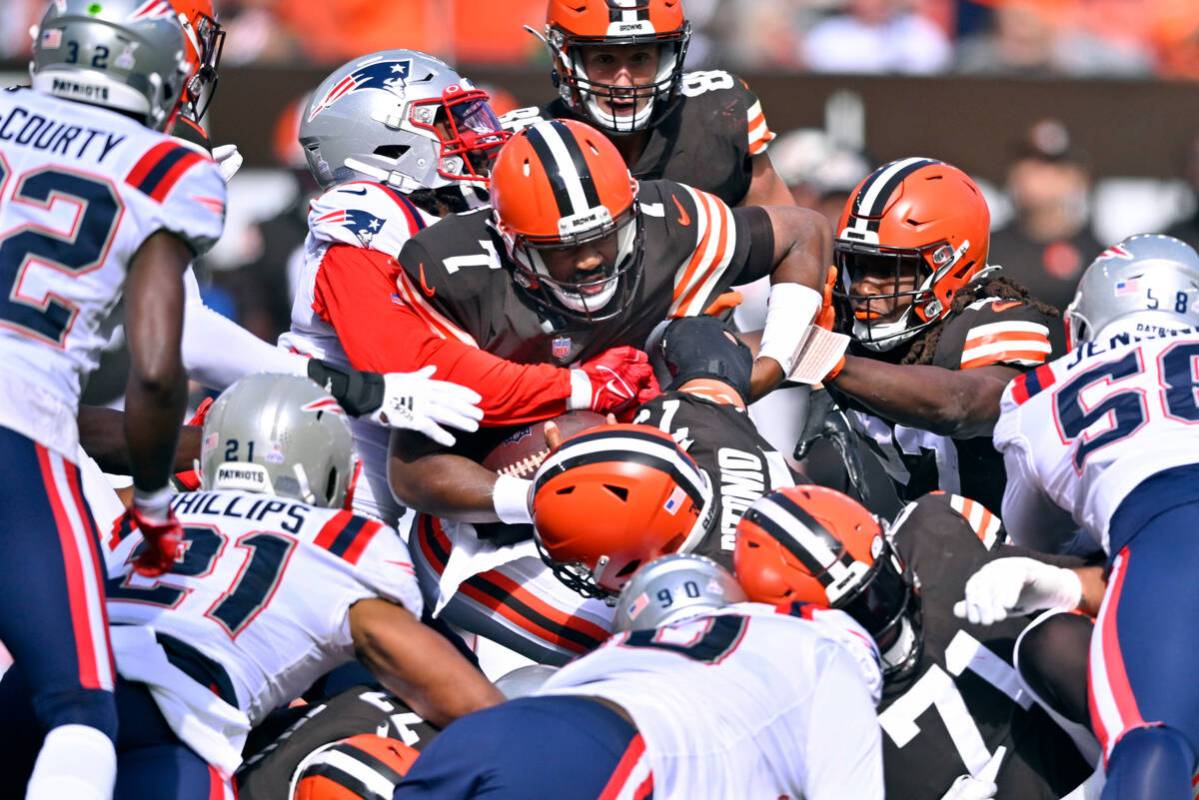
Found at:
(1079, 117)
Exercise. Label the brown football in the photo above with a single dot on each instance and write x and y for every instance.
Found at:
(522, 453)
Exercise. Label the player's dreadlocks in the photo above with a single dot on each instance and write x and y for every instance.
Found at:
(992, 284)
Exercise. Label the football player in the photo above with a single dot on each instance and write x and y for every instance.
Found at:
(937, 332)
(98, 207)
(956, 722)
(700, 695)
(276, 585)
(619, 66)
(1103, 438)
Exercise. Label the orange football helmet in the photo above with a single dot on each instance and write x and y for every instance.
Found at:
(334, 772)
(205, 41)
(561, 185)
(572, 25)
(613, 498)
(815, 545)
(915, 221)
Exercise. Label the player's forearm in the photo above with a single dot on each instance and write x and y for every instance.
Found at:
(960, 404)
(217, 351)
(513, 394)
(156, 392)
(417, 664)
(102, 435)
(442, 484)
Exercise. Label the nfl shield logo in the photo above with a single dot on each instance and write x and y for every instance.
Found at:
(560, 347)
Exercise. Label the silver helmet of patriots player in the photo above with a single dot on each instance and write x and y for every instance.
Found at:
(402, 118)
(126, 55)
(672, 588)
(281, 435)
(1148, 281)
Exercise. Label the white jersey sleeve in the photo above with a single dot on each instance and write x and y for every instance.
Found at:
(217, 351)
(188, 192)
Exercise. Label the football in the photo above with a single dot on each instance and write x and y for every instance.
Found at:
(521, 454)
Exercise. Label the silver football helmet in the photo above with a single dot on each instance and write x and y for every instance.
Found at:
(402, 118)
(281, 435)
(1154, 277)
(672, 588)
(118, 54)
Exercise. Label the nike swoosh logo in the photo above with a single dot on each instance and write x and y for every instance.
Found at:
(684, 217)
(424, 287)
(353, 191)
(1005, 305)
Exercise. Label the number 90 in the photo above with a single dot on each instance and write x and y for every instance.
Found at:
(666, 597)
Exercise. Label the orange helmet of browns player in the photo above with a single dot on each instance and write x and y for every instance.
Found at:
(613, 498)
(346, 769)
(912, 234)
(815, 545)
(566, 206)
(574, 26)
(205, 41)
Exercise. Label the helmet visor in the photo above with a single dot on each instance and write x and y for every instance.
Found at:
(881, 286)
(883, 597)
(467, 129)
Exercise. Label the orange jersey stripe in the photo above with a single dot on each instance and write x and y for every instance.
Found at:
(1034, 356)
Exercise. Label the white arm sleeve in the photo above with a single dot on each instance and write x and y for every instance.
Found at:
(844, 752)
(217, 351)
(1030, 517)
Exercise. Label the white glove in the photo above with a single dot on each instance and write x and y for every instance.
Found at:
(413, 401)
(970, 788)
(981, 786)
(1015, 587)
(228, 160)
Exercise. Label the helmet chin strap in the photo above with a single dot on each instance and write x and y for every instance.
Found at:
(904, 646)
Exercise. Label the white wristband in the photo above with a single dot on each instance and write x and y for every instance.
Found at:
(580, 391)
(154, 506)
(791, 308)
(510, 497)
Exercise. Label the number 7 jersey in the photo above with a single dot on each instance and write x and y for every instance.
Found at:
(1080, 433)
(81, 189)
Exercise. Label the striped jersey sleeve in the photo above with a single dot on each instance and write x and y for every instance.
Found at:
(719, 246)
(759, 135)
(187, 191)
(998, 332)
(374, 553)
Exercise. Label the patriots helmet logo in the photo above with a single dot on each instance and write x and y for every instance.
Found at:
(384, 75)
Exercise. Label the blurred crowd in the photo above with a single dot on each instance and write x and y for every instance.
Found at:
(1074, 38)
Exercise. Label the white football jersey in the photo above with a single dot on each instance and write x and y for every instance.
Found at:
(81, 188)
(1079, 433)
(373, 217)
(748, 701)
(264, 589)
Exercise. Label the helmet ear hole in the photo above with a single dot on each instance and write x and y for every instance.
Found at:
(619, 491)
(392, 151)
(330, 485)
(565, 490)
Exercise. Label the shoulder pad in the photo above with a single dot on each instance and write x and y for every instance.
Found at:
(188, 190)
(520, 118)
(995, 331)
(729, 89)
(941, 514)
(365, 214)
